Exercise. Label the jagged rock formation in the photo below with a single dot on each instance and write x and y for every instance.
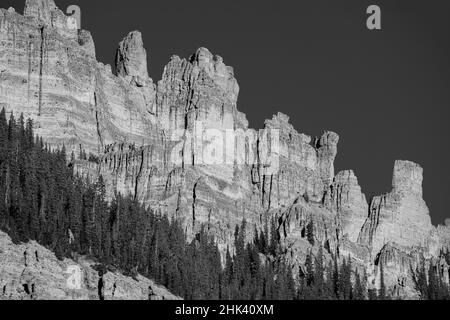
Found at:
(404, 207)
(30, 271)
(131, 59)
(346, 198)
(49, 72)
(182, 147)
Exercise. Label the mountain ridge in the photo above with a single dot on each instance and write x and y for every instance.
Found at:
(50, 73)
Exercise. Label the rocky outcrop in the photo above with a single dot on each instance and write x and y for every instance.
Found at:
(400, 216)
(181, 146)
(346, 199)
(326, 150)
(49, 73)
(32, 272)
(131, 59)
(199, 89)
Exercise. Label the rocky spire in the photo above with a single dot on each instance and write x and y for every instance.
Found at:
(346, 198)
(400, 216)
(407, 177)
(131, 59)
(204, 58)
(326, 153)
(41, 10)
(221, 74)
(138, 124)
(85, 40)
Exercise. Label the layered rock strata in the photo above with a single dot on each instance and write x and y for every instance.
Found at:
(181, 146)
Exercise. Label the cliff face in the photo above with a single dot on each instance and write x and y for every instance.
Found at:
(182, 147)
(400, 216)
(49, 72)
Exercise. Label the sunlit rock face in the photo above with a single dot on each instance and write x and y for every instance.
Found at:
(180, 146)
(131, 59)
(346, 198)
(301, 169)
(400, 216)
(199, 89)
(49, 72)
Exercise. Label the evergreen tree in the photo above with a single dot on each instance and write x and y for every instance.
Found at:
(310, 281)
(359, 288)
(319, 275)
(382, 293)
(274, 237)
(42, 199)
(310, 232)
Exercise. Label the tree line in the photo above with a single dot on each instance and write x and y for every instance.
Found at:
(429, 280)
(42, 199)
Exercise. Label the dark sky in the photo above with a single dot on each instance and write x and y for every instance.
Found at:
(386, 93)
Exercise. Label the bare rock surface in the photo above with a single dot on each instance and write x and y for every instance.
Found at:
(168, 144)
(131, 59)
(346, 198)
(32, 272)
(400, 216)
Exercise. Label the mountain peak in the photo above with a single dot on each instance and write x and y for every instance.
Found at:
(131, 58)
(40, 10)
(407, 176)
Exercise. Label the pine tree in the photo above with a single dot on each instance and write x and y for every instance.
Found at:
(319, 275)
(347, 279)
(330, 290)
(372, 294)
(41, 198)
(382, 294)
(310, 232)
(336, 279)
(432, 283)
(359, 288)
(309, 270)
(263, 240)
(274, 238)
(420, 279)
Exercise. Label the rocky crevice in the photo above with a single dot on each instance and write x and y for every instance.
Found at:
(41, 67)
